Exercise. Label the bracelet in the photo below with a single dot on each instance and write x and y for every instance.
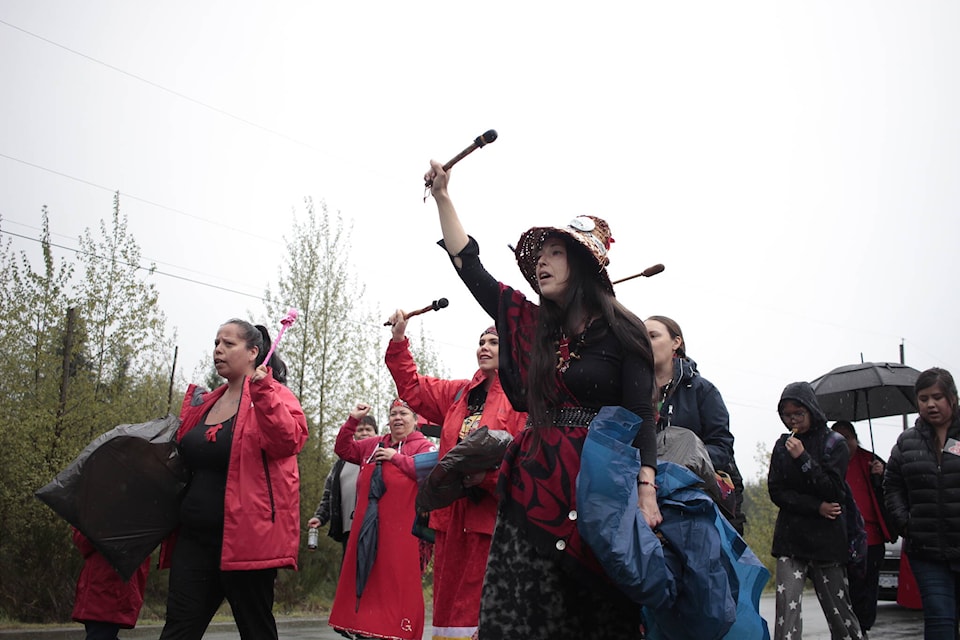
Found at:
(648, 483)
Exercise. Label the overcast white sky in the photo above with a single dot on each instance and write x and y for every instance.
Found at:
(794, 165)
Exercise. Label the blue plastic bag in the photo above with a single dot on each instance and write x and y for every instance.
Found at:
(609, 519)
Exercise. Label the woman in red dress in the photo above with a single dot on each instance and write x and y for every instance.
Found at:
(465, 528)
(391, 602)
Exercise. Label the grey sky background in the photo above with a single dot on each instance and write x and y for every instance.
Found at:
(794, 165)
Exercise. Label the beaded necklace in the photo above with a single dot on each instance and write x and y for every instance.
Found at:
(567, 349)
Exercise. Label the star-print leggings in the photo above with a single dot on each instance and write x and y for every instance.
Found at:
(830, 583)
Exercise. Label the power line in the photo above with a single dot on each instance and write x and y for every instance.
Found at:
(172, 92)
(137, 198)
(135, 266)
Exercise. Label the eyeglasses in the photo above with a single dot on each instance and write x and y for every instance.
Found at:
(793, 417)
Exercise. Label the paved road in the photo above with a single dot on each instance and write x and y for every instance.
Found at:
(893, 623)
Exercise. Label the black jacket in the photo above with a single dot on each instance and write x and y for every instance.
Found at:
(330, 510)
(922, 493)
(693, 402)
(798, 486)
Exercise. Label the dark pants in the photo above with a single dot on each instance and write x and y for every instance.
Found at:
(865, 586)
(940, 592)
(198, 587)
(101, 630)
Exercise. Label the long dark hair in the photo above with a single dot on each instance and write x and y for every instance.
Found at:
(258, 336)
(585, 296)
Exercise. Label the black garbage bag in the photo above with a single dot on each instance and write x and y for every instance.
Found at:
(123, 491)
(481, 450)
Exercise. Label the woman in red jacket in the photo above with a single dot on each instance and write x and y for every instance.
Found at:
(465, 528)
(105, 603)
(240, 517)
(390, 604)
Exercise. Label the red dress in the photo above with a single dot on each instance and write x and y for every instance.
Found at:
(391, 605)
(464, 529)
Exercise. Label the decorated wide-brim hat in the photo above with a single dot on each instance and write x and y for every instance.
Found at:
(588, 233)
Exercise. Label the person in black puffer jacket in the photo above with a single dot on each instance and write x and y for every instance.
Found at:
(806, 481)
(922, 493)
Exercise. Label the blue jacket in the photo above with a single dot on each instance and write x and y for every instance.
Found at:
(693, 402)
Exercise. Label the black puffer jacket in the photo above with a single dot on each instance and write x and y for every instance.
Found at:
(798, 486)
(922, 492)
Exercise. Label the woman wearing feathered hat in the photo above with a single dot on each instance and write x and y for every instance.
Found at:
(561, 361)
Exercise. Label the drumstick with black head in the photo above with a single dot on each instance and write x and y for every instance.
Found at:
(436, 305)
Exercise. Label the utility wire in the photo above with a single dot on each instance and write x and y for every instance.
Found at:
(172, 92)
(138, 199)
(135, 266)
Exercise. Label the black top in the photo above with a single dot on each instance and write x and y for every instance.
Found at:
(206, 451)
(605, 374)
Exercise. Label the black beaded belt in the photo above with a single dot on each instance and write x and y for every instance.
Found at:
(573, 417)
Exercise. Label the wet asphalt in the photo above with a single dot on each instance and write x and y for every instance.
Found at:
(893, 623)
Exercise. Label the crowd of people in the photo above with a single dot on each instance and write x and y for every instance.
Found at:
(509, 559)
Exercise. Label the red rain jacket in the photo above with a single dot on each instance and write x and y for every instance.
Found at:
(444, 402)
(261, 528)
(102, 595)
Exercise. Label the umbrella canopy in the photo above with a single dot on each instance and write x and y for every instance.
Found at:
(867, 390)
(368, 533)
(123, 491)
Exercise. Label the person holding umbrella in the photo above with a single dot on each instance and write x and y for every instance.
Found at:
(379, 593)
(465, 528)
(240, 517)
(806, 481)
(922, 491)
(865, 479)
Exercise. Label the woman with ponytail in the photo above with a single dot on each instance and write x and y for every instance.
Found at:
(240, 516)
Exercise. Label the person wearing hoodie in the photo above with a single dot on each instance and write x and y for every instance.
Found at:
(807, 482)
(389, 602)
(922, 492)
(465, 528)
(687, 399)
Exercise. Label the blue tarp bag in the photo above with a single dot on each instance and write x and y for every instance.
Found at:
(719, 579)
(608, 517)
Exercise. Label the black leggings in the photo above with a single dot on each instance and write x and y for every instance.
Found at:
(198, 587)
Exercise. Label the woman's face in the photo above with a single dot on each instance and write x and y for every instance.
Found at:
(553, 270)
(231, 356)
(488, 353)
(934, 406)
(402, 423)
(795, 416)
(663, 345)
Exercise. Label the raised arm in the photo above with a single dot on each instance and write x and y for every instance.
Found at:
(454, 237)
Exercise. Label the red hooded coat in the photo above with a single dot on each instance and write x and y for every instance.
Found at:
(102, 595)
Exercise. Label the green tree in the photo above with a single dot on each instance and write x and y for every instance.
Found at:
(123, 323)
(34, 430)
(761, 515)
(74, 368)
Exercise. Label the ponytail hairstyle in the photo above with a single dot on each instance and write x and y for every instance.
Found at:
(258, 336)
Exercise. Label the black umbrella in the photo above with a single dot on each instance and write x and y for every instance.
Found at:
(368, 534)
(867, 390)
(123, 491)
